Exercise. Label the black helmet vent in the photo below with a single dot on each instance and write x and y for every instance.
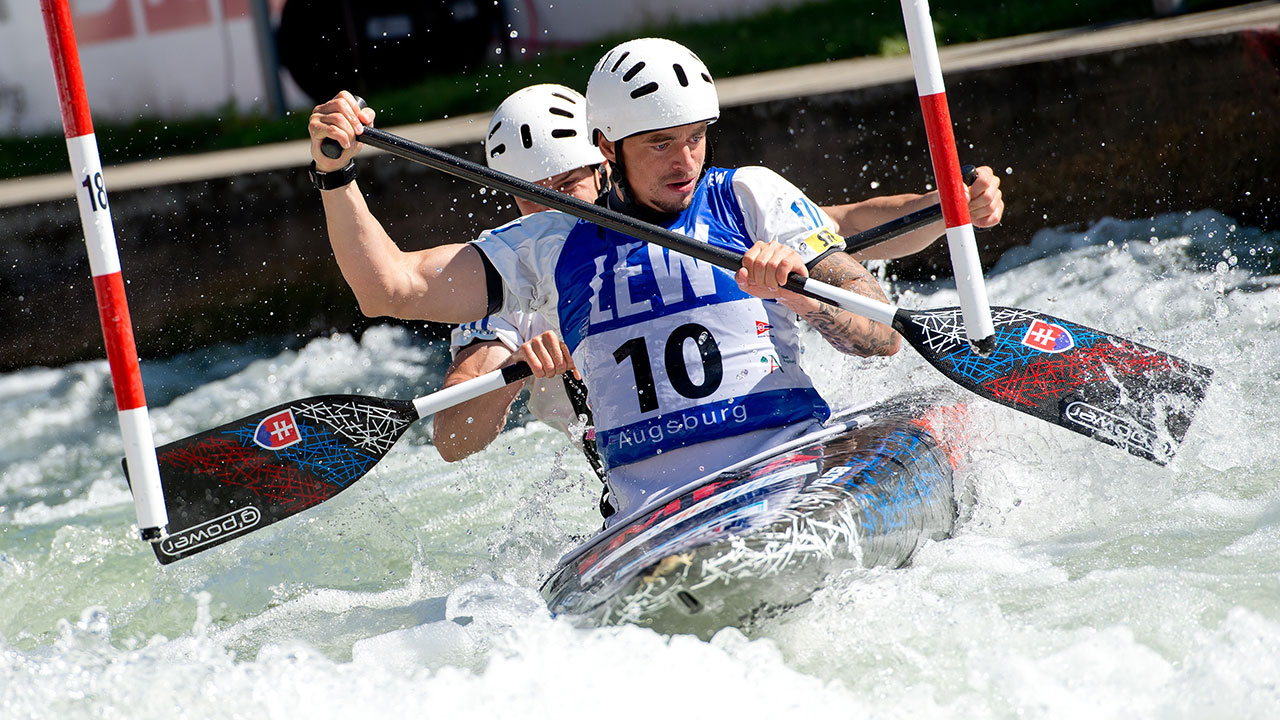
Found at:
(644, 90)
(684, 81)
(632, 72)
(526, 137)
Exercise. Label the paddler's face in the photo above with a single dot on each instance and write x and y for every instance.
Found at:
(582, 183)
(663, 166)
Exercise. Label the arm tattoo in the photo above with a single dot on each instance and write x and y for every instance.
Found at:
(843, 271)
(849, 333)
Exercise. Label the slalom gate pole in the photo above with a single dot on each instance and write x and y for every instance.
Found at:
(965, 264)
(104, 264)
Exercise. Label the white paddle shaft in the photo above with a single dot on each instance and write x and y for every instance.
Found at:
(428, 405)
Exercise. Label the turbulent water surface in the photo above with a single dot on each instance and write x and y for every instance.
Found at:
(1081, 582)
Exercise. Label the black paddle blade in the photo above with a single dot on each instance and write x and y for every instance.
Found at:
(247, 474)
(1108, 388)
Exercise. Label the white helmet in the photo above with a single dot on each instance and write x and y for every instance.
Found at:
(539, 132)
(649, 84)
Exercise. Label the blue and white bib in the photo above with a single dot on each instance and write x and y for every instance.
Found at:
(672, 351)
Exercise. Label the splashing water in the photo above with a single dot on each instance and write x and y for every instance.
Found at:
(1081, 582)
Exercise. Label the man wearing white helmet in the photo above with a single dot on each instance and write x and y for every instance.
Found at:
(537, 134)
(689, 367)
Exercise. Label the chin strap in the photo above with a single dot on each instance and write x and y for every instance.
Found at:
(616, 199)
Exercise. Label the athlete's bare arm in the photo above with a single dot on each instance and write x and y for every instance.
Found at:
(765, 268)
(469, 427)
(445, 283)
(849, 333)
(986, 208)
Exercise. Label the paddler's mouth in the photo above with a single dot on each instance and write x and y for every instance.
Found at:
(682, 187)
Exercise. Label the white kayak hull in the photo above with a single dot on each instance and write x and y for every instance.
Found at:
(759, 538)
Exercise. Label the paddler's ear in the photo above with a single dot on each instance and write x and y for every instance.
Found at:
(607, 148)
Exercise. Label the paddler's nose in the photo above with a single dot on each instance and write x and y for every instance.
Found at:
(684, 161)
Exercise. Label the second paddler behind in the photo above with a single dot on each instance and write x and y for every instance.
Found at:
(689, 367)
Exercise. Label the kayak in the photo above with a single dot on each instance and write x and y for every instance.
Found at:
(747, 543)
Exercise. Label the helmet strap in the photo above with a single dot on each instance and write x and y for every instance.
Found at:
(604, 180)
(618, 172)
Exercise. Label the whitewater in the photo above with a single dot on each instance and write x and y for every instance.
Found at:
(1080, 582)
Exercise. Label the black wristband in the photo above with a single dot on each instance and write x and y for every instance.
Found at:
(332, 180)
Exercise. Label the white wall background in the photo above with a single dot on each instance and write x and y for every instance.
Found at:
(140, 58)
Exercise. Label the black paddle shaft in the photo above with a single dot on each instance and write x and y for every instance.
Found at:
(854, 243)
(473, 172)
(605, 217)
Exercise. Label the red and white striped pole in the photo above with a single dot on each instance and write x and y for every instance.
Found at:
(965, 264)
(104, 264)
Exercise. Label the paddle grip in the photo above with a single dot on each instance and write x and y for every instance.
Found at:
(519, 371)
(329, 147)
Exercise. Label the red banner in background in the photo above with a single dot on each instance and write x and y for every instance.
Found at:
(164, 15)
(239, 8)
(100, 21)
